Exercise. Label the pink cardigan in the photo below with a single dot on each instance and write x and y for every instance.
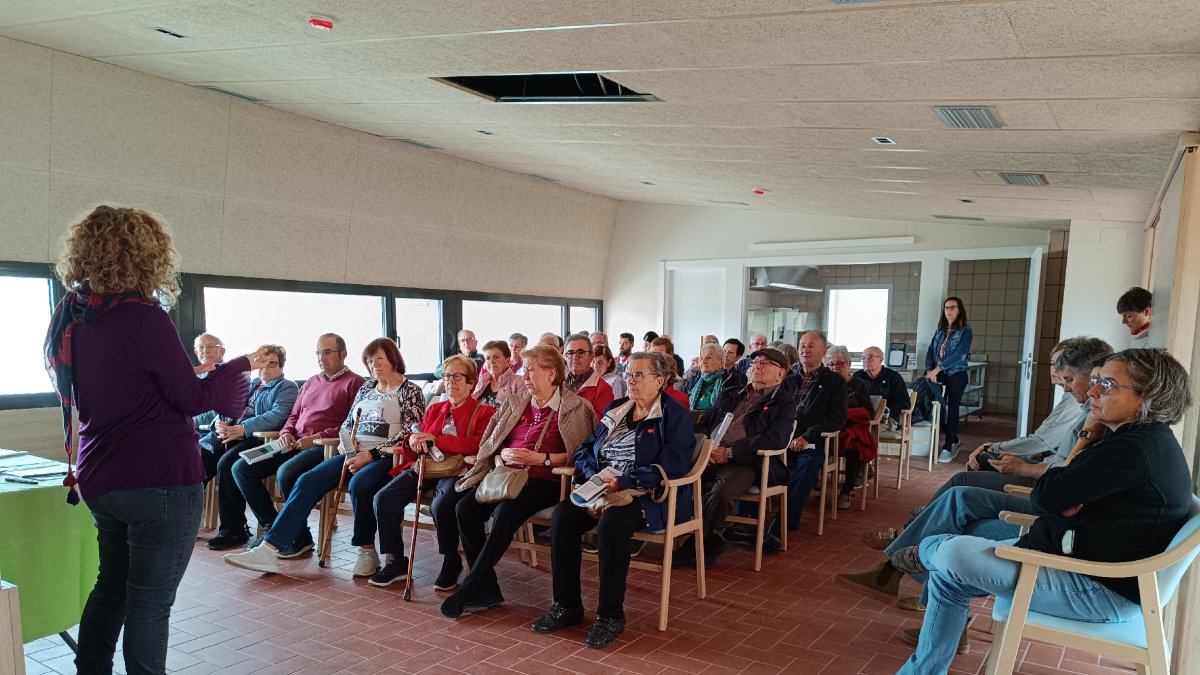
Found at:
(510, 383)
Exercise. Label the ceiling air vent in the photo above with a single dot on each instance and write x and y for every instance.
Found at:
(419, 144)
(554, 88)
(976, 218)
(234, 94)
(1024, 178)
(967, 117)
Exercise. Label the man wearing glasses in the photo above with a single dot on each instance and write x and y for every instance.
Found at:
(581, 378)
(466, 346)
(757, 343)
(762, 418)
(323, 403)
(209, 352)
(884, 382)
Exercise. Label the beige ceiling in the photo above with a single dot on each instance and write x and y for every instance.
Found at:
(776, 94)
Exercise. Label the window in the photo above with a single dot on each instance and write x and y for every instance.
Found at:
(583, 318)
(27, 306)
(245, 319)
(857, 317)
(498, 320)
(419, 333)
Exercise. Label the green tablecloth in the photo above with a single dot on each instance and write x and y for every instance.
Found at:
(48, 549)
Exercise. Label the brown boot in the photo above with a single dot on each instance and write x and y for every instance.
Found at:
(910, 636)
(881, 582)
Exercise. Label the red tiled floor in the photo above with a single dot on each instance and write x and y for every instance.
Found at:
(789, 618)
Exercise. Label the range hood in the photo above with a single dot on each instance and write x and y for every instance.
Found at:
(805, 279)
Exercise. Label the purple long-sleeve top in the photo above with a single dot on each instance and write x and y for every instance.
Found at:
(137, 393)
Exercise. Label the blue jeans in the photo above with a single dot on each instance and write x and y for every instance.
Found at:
(804, 468)
(965, 567)
(962, 510)
(313, 485)
(989, 479)
(146, 537)
(287, 470)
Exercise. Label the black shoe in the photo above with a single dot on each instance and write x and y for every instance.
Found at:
(771, 543)
(452, 607)
(557, 617)
(713, 548)
(229, 539)
(301, 545)
(605, 632)
(395, 570)
(447, 579)
(483, 602)
(740, 534)
(590, 543)
(685, 555)
(635, 547)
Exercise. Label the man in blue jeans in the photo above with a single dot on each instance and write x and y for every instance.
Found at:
(820, 407)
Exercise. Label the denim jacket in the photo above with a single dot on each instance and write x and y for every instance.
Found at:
(272, 405)
(957, 348)
(664, 437)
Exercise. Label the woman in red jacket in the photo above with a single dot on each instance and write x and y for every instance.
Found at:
(455, 427)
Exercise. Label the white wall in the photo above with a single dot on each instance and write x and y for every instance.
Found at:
(253, 191)
(1104, 260)
(652, 237)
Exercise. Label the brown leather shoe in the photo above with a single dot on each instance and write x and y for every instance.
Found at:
(911, 604)
(881, 539)
(881, 582)
(910, 636)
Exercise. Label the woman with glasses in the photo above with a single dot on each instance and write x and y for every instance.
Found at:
(1122, 498)
(455, 427)
(855, 443)
(380, 420)
(535, 430)
(272, 397)
(946, 363)
(637, 435)
(497, 380)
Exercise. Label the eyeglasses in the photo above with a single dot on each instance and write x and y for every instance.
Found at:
(211, 348)
(872, 357)
(327, 352)
(454, 377)
(272, 364)
(1107, 384)
(637, 376)
(572, 353)
(838, 364)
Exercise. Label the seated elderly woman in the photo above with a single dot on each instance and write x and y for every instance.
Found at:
(605, 364)
(714, 378)
(855, 443)
(637, 432)
(455, 427)
(498, 380)
(1123, 498)
(534, 431)
(384, 409)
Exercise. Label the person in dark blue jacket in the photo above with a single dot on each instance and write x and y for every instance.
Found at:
(644, 435)
(946, 363)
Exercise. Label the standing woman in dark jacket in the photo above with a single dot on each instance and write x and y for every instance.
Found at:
(637, 432)
(113, 352)
(946, 363)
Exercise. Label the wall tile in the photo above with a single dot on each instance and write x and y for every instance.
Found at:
(278, 166)
(303, 243)
(26, 194)
(25, 135)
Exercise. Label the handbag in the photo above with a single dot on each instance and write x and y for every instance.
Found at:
(452, 463)
(626, 496)
(505, 482)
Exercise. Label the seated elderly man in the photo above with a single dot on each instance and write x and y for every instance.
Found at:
(884, 382)
(757, 342)
(762, 419)
(551, 340)
(599, 338)
(582, 379)
(855, 442)
(1123, 498)
(466, 346)
(712, 380)
(820, 407)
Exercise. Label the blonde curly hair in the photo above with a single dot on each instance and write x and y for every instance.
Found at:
(119, 250)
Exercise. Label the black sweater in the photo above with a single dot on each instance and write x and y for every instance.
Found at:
(1136, 492)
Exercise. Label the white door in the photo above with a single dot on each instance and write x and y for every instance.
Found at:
(1027, 365)
(695, 307)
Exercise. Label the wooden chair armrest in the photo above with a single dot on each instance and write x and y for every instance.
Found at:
(266, 435)
(830, 434)
(1019, 490)
(330, 445)
(563, 471)
(1018, 519)
(680, 482)
(771, 453)
(1058, 562)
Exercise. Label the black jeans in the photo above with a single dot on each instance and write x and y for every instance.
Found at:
(391, 501)
(231, 505)
(722, 484)
(853, 469)
(287, 469)
(483, 552)
(146, 538)
(956, 384)
(614, 531)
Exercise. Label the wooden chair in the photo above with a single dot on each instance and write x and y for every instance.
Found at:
(903, 439)
(829, 473)
(867, 467)
(524, 541)
(329, 509)
(761, 494)
(1142, 641)
(931, 430)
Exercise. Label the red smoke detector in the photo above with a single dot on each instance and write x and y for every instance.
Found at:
(759, 191)
(321, 22)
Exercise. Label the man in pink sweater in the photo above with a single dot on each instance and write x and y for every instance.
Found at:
(322, 406)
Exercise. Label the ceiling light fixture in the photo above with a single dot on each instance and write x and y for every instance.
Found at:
(770, 246)
(485, 133)
(945, 217)
(321, 22)
(164, 31)
(883, 140)
(726, 202)
(892, 192)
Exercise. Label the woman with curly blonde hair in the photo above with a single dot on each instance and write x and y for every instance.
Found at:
(112, 352)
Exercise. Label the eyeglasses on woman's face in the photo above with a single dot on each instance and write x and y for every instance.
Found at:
(453, 377)
(636, 376)
(1107, 384)
(838, 364)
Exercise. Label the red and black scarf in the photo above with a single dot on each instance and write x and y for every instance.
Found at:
(78, 306)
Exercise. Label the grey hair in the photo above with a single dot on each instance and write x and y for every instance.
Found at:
(1081, 354)
(578, 336)
(713, 347)
(519, 337)
(789, 352)
(1160, 380)
(836, 350)
(661, 365)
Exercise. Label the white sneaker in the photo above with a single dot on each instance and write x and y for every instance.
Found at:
(261, 558)
(945, 457)
(367, 564)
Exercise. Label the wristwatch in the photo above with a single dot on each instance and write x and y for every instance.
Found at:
(1083, 434)
(547, 462)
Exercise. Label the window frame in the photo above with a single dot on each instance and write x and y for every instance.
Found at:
(33, 270)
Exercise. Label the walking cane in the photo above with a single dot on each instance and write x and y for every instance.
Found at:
(338, 495)
(412, 546)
